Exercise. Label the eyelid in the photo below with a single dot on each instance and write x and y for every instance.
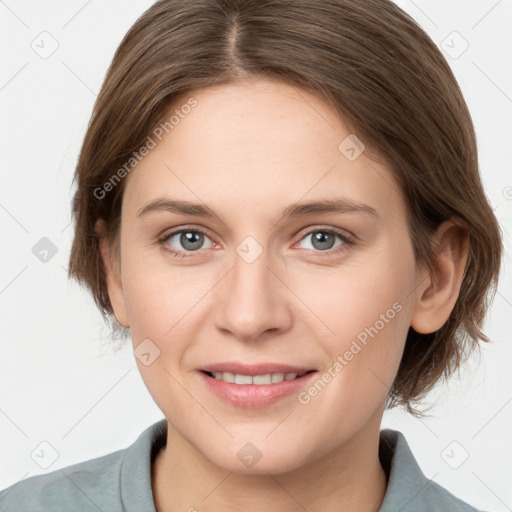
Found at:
(162, 239)
(343, 233)
(173, 231)
(347, 238)
(306, 231)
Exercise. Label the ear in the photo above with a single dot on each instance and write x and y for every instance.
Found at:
(436, 294)
(113, 276)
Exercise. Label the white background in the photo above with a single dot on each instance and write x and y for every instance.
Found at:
(60, 380)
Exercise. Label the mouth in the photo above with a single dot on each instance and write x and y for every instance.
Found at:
(262, 379)
(254, 386)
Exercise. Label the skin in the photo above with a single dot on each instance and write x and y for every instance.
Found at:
(247, 151)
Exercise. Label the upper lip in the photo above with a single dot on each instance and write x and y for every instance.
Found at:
(254, 369)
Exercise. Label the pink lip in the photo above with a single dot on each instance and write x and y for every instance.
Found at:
(252, 396)
(254, 369)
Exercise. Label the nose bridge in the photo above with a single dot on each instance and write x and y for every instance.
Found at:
(252, 300)
(251, 269)
(250, 274)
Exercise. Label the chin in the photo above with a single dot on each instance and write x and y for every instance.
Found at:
(247, 459)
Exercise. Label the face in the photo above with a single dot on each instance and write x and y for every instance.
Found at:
(252, 282)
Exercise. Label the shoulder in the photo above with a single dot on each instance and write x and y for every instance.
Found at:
(84, 486)
(409, 490)
(106, 483)
(444, 499)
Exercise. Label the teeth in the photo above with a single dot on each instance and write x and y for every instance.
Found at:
(243, 379)
(268, 378)
(228, 377)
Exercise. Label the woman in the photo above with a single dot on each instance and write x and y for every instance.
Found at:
(279, 202)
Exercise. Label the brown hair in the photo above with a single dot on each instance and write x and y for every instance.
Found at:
(374, 65)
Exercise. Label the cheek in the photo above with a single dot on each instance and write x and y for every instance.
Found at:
(162, 309)
(358, 300)
(364, 357)
(159, 297)
(365, 316)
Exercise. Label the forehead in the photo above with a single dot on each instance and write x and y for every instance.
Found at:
(257, 146)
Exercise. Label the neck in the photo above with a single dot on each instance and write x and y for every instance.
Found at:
(346, 479)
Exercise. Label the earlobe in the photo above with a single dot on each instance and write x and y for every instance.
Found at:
(437, 294)
(113, 277)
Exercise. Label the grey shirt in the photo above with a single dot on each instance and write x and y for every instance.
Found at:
(121, 481)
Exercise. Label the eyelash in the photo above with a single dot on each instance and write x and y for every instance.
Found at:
(348, 241)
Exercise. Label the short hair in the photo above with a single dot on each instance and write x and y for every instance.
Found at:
(374, 66)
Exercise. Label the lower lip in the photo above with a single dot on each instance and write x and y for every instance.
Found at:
(253, 396)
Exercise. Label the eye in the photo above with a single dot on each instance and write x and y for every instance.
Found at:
(324, 239)
(183, 241)
(187, 240)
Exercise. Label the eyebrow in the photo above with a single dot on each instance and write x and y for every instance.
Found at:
(338, 205)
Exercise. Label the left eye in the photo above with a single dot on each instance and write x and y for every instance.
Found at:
(323, 239)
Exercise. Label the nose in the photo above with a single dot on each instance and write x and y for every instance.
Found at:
(252, 301)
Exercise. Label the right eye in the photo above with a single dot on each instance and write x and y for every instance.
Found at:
(190, 240)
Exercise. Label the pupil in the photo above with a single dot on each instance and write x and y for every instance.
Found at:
(325, 240)
(193, 238)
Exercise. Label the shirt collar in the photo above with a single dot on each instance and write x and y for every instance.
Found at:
(405, 478)
(135, 477)
(409, 490)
